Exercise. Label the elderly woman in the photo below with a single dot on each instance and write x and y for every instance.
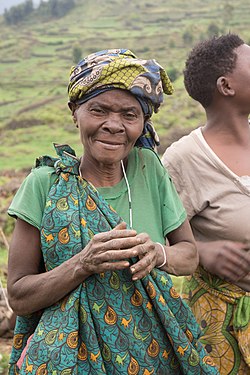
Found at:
(95, 239)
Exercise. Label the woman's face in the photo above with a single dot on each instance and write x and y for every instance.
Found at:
(109, 125)
(240, 79)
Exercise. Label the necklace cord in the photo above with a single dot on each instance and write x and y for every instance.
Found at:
(129, 196)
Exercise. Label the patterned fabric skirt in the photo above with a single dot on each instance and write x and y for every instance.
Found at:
(110, 325)
(223, 312)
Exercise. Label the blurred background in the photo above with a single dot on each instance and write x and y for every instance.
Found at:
(41, 40)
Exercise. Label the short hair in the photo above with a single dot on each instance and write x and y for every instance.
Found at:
(208, 61)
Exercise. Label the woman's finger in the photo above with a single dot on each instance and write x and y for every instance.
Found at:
(113, 234)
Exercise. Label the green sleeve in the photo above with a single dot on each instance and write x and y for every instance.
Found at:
(173, 211)
(29, 202)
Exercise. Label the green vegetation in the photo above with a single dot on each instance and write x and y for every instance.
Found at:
(3, 256)
(36, 56)
(4, 360)
(3, 266)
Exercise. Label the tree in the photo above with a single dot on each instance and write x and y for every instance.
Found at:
(187, 38)
(227, 13)
(173, 73)
(28, 7)
(18, 13)
(213, 30)
(6, 16)
(76, 53)
(54, 8)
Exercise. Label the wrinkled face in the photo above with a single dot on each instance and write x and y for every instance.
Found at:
(109, 125)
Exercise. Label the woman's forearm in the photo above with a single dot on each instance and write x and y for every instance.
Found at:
(182, 259)
(35, 292)
(182, 254)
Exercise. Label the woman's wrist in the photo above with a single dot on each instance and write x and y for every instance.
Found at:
(164, 255)
(80, 271)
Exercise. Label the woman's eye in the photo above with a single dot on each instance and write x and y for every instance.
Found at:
(130, 115)
(97, 110)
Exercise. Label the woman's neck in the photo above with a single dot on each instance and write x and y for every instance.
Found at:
(101, 175)
(227, 130)
(231, 143)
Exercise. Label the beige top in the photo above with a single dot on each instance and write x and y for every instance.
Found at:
(216, 199)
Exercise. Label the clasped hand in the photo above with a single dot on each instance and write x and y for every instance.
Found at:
(112, 250)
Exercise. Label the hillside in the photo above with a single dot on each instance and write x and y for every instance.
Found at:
(36, 56)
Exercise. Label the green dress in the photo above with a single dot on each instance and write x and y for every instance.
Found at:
(108, 324)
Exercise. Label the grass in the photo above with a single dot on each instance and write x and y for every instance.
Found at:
(3, 256)
(33, 142)
(3, 265)
(4, 361)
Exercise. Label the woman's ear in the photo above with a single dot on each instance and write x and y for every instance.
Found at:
(224, 86)
(73, 107)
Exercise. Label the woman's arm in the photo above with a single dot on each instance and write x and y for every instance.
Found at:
(30, 288)
(182, 254)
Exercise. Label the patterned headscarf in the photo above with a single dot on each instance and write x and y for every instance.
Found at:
(121, 69)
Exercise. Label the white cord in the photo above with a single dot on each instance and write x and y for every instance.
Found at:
(129, 196)
(164, 255)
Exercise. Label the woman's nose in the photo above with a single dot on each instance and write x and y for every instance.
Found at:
(114, 123)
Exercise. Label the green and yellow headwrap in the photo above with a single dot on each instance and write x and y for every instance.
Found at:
(121, 69)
